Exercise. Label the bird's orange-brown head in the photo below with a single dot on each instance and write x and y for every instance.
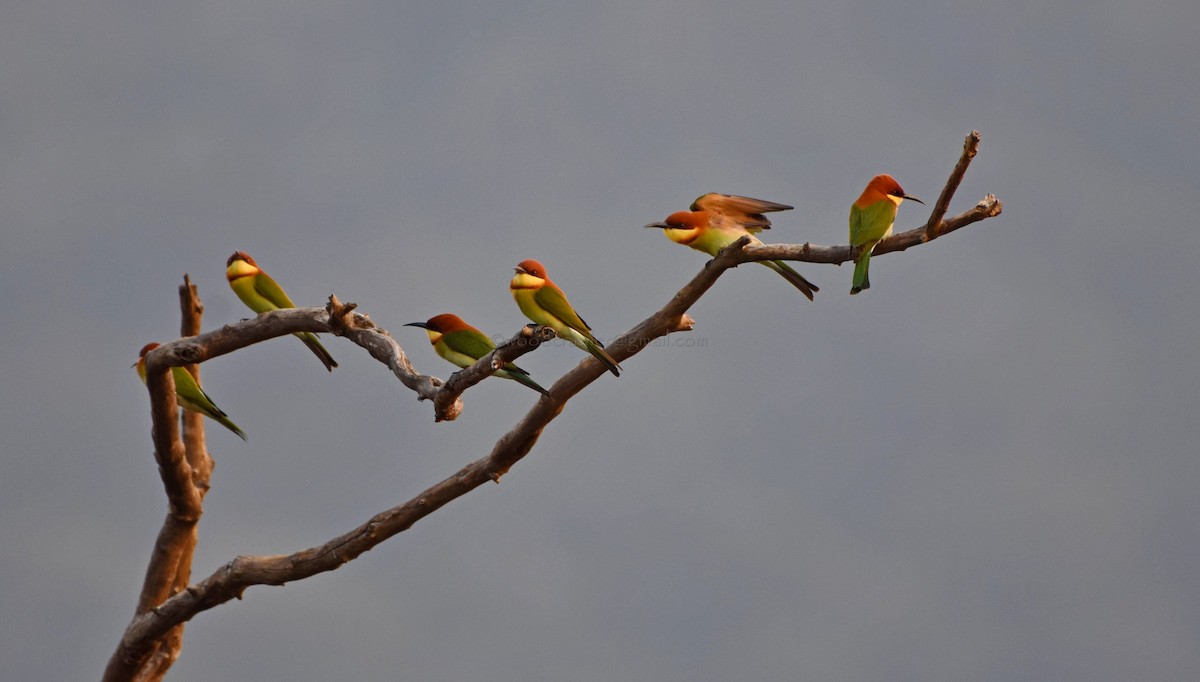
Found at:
(442, 324)
(683, 226)
(884, 187)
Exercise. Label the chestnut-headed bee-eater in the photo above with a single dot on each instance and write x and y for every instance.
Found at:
(463, 345)
(717, 220)
(871, 218)
(188, 393)
(543, 302)
(261, 294)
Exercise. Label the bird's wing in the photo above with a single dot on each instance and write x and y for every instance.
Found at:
(730, 203)
(187, 390)
(745, 211)
(268, 289)
(856, 228)
(552, 299)
(470, 342)
(513, 369)
(476, 344)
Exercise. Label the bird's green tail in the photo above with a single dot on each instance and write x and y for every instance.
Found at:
(861, 281)
(587, 343)
(225, 421)
(597, 349)
(525, 380)
(209, 409)
(796, 279)
(315, 346)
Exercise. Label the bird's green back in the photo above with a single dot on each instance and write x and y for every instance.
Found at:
(550, 298)
(871, 223)
(469, 342)
(260, 293)
(191, 396)
(466, 346)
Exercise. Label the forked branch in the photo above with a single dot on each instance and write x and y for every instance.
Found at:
(151, 625)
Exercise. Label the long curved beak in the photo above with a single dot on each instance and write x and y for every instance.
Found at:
(912, 198)
(661, 226)
(422, 325)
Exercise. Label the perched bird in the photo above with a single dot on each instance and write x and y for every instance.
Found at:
(871, 219)
(189, 394)
(463, 345)
(717, 220)
(258, 291)
(543, 302)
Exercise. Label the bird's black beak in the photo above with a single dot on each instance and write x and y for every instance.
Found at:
(911, 198)
(422, 325)
(661, 226)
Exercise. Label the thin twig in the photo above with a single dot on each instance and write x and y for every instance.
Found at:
(970, 148)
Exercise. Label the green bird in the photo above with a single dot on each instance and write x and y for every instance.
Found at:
(258, 291)
(461, 344)
(871, 218)
(543, 302)
(718, 220)
(188, 393)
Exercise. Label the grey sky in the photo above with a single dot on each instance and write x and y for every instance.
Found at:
(983, 468)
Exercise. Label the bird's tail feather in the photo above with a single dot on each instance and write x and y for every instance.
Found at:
(227, 423)
(588, 343)
(597, 350)
(861, 281)
(315, 346)
(796, 279)
(524, 379)
(591, 345)
(214, 413)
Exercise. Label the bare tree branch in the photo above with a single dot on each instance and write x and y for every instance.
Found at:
(153, 623)
(186, 467)
(970, 148)
(195, 447)
(338, 318)
(185, 471)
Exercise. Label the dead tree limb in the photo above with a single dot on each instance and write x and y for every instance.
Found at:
(164, 608)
